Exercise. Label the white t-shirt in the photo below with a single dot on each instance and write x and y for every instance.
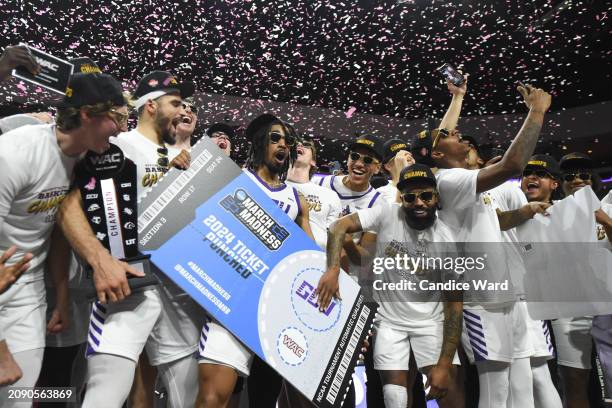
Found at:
(388, 192)
(143, 153)
(324, 206)
(285, 197)
(508, 197)
(36, 177)
(393, 237)
(473, 219)
(351, 201)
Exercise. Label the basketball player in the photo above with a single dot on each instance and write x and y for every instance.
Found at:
(163, 318)
(396, 158)
(222, 357)
(538, 183)
(494, 335)
(187, 125)
(431, 329)
(37, 164)
(573, 335)
(324, 204)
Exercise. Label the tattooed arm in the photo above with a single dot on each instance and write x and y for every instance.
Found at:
(439, 376)
(328, 284)
(453, 323)
(523, 145)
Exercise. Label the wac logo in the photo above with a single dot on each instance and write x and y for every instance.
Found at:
(292, 346)
(105, 159)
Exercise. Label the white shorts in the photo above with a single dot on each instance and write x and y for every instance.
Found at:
(165, 320)
(539, 336)
(496, 333)
(392, 346)
(219, 346)
(574, 341)
(22, 316)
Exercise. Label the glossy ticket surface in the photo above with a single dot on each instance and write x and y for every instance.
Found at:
(217, 235)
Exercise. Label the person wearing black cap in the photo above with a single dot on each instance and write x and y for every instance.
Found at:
(573, 335)
(469, 208)
(222, 134)
(431, 329)
(577, 172)
(37, 164)
(354, 189)
(162, 318)
(512, 209)
(63, 352)
(222, 357)
(540, 178)
(396, 157)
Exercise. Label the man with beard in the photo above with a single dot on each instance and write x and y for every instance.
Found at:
(495, 333)
(573, 335)
(222, 357)
(36, 163)
(324, 204)
(161, 318)
(430, 327)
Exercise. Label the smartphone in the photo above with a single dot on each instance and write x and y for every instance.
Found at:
(451, 74)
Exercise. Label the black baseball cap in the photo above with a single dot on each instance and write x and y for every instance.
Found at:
(370, 142)
(159, 83)
(543, 162)
(416, 172)
(84, 65)
(576, 160)
(471, 140)
(258, 123)
(90, 89)
(221, 127)
(391, 147)
(422, 146)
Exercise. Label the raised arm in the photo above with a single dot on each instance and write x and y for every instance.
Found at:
(523, 145)
(451, 117)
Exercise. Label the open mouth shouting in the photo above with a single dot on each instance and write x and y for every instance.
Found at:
(300, 150)
(222, 143)
(533, 187)
(280, 156)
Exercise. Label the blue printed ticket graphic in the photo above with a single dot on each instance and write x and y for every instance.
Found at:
(218, 236)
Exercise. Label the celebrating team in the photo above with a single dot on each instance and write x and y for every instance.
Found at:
(440, 192)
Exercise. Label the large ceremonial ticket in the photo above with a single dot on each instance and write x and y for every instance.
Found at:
(216, 234)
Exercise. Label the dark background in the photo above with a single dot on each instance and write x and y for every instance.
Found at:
(335, 68)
